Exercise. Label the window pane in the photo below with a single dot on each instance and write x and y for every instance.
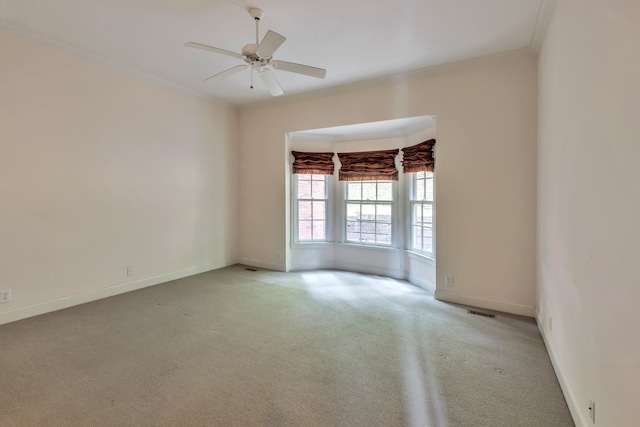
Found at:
(354, 190)
(368, 238)
(304, 210)
(427, 213)
(385, 191)
(416, 237)
(318, 189)
(319, 230)
(353, 226)
(353, 211)
(422, 238)
(353, 231)
(304, 230)
(369, 190)
(417, 213)
(318, 210)
(304, 176)
(304, 188)
(368, 228)
(429, 189)
(384, 213)
(427, 244)
(368, 212)
(383, 234)
(418, 190)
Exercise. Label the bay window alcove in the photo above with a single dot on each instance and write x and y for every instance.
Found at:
(379, 221)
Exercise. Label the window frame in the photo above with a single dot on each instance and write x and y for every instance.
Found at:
(412, 202)
(394, 214)
(327, 210)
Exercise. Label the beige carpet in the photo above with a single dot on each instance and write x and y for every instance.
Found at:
(234, 347)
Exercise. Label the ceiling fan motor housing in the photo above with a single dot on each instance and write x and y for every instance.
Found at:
(251, 57)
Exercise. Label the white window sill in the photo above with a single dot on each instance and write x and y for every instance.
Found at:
(311, 245)
(420, 256)
(354, 246)
(375, 248)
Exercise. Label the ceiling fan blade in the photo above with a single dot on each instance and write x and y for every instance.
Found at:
(227, 73)
(270, 81)
(269, 44)
(300, 69)
(213, 49)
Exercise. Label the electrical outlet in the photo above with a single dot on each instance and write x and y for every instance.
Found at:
(129, 271)
(279, 255)
(592, 409)
(448, 280)
(5, 296)
(203, 256)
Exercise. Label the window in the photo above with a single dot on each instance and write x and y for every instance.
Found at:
(311, 198)
(422, 212)
(369, 206)
(370, 203)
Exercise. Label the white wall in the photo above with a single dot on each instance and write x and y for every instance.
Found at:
(589, 205)
(486, 112)
(100, 171)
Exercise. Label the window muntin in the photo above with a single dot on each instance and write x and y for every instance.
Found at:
(311, 200)
(369, 208)
(422, 212)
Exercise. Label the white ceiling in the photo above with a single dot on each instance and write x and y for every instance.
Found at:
(354, 40)
(372, 130)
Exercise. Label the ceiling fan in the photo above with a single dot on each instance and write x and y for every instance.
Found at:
(259, 57)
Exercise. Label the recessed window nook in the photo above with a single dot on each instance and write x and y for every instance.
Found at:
(374, 226)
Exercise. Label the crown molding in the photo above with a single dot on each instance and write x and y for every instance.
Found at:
(545, 13)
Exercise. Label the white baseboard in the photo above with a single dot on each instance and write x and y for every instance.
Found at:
(262, 264)
(507, 307)
(420, 282)
(312, 266)
(368, 269)
(576, 414)
(72, 300)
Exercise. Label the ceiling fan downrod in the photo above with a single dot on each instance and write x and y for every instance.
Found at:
(257, 15)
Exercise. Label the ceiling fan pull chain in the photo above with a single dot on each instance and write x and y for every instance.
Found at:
(251, 72)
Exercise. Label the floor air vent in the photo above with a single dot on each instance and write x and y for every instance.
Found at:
(251, 269)
(480, 313)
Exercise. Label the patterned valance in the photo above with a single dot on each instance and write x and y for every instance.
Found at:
(368, 165)
(420, 157)
(313, 163)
